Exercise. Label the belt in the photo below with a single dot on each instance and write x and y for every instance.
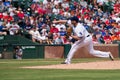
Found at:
(88, 35)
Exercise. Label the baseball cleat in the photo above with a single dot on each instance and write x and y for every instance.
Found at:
(65, 63)
(111, 56)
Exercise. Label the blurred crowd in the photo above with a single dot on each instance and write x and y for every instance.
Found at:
(33, 19)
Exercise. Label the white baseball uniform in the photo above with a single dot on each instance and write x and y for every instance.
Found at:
(86, 42)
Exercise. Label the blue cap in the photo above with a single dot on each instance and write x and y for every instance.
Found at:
(74, 18)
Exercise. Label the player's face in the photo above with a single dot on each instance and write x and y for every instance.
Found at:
(73, 22)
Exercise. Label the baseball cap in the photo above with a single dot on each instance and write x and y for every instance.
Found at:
(74, 18)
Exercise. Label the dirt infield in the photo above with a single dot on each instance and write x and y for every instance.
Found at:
(89, 65)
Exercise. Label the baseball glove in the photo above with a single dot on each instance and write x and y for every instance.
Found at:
(69, 31)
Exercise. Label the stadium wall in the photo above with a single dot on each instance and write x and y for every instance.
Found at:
(59, 51)
(33, 50)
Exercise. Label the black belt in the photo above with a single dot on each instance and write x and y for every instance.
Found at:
(88, 35)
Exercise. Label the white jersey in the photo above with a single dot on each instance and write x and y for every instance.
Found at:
(80, 31)
(85, 41)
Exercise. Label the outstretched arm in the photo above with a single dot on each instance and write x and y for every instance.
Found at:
(60, 21)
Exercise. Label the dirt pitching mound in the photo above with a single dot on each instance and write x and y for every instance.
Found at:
(89, 65)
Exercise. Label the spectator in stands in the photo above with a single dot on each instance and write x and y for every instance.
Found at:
(14, 29)
(94, 39)
(20, 13)
(36, 36)
(53, 29)
(100, 39)
(11, 10)
(56, 2)
(117, 18)
(107, 37)
(35, 0)
(83, 3)
(89, 21)
(96, 15)
(49, 38)
(118, 33)
(65, 4)
(66, 13)
(58, 39)
(22, 25)
(7, 17)
(62, 32)
(6, 3)
(60, 25)
(40, 23)
(2, 6)
(114, 36)
(49, 7)
(2, 29)
(56, 10)
(44, 34)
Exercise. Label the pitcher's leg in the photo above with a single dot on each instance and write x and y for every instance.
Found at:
(97, 52)
(73, 49)
(71, 53)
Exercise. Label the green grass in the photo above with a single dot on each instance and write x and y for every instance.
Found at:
(10, 70)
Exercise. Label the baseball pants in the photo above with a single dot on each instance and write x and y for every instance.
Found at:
(88, 44)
